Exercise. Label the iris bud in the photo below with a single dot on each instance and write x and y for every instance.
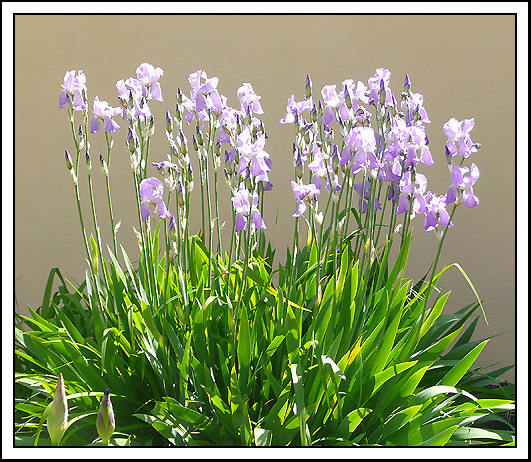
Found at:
(382, 92)
(105, 420)
(308, 86)
(169, 122)
(87, 160)
(58, 416)
(104, 167)
(407, 83)
(68, 158)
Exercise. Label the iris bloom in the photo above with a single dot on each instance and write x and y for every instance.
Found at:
(459, 140)
(151, 191)
(148, 75)
(246, 205)
(73, 88)
(249, 99)
(461, 188)
(294, 109)
(304, 193)
(103, 115)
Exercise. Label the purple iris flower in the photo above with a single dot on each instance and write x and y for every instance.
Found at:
(459, 140)
(364, 190)
(74, 86)
(462, 183)
(132, 89)
(253, 155)
(148, 75)
(249, 99)
(246, 205)
(151, 192)
(103, 115)
(331, 100)
(379, 88)
(436, 214)
(295, 109)
(416, 109)
(303, 193)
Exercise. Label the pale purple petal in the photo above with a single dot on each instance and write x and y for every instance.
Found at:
(240, 222)
(257, 220)
(63, 99)
(94, 125)
(156, 92)
(469, 199)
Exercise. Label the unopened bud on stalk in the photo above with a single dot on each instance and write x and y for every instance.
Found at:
(184, 145)
(58, 416)
(179, 96)
(194, 142)
(407, 84)
(313, 114)
(199, 135)
(178, 114)
(169, 122)
(348, 99)
(382, 92)
(105, 420)
(308, 86)
(87, 160)
(173, 228)
(68, 159)
(104, 167)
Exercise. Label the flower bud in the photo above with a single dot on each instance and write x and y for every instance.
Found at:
(105, 419)
(169, 122)
(382, 92)
(104, 167)
(58, 416)
(179, 96)
(184, 146)
(308, 86)
(313, 114)
(407, 84)
(199, 135)
(68, 158)
(87, 160)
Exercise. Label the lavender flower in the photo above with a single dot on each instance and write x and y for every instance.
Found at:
(379, 91)
(103, 115)
(459, 140)
(74, 92)
(436, 214)
(304, 194)
(249, 100)
(246, 204)
(151, 191)
(331, 100)
(295, 109)
(461, 189)
(148, 75)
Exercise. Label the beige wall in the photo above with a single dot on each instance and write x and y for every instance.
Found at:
(463, 65)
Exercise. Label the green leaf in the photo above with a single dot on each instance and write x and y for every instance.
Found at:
(352, 420)
(292, 336)
(461, 368)
(441, 438)
(296, 378)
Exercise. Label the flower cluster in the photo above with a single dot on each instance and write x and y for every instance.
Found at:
(388, 154)
(236, 132)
